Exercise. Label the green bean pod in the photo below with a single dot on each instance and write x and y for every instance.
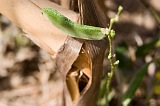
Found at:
(73, 29)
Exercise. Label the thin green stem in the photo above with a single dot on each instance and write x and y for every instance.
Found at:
(111, 60)
(110, 33)
(111, 56)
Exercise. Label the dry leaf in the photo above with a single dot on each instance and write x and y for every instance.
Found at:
(27, 15)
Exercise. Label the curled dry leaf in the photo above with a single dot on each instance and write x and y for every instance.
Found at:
(79, 77)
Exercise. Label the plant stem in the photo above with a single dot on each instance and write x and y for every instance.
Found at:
(105, 88)
(111, 56)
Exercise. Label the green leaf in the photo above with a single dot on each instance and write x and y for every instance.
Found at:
(146, 48)
(73, 29)
(135, 83)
